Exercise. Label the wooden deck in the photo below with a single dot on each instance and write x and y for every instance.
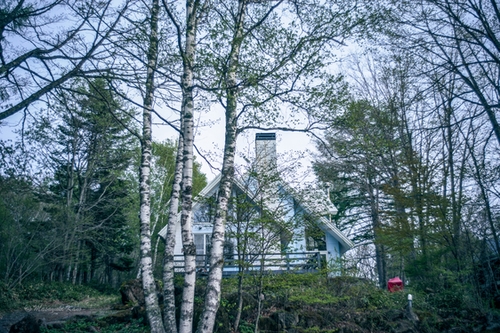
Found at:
(293, 262)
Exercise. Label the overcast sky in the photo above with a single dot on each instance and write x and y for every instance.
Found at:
(292, 147)
(210, 141)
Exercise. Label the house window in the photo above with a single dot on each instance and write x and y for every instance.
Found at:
(206, 213)
(202, 243)
(315, 238)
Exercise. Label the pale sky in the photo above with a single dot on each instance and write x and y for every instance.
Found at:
(210, 141)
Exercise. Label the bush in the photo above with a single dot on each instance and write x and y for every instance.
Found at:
(7, 297)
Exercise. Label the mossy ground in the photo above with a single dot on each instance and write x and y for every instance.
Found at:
(305, 303)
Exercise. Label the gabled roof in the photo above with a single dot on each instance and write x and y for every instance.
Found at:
(213, 185)
(318, 206)
(206, 192)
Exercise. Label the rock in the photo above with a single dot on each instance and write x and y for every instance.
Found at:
(310, 318)
(132, 293)
(19, 322)
(411, 315)
(29, 324)
(348, 327)
(8, 319)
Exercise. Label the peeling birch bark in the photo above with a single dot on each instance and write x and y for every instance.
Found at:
(187, 113)
(148, 284)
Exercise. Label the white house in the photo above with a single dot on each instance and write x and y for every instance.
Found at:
(267, 218)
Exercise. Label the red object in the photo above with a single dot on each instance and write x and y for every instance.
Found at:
(395, 284)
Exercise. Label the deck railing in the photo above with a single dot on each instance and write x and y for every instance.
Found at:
(298, 262)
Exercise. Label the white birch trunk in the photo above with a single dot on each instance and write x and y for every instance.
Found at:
(213, 291)
(187, 113)
(148, 282)
(155, 223)
(169, 319)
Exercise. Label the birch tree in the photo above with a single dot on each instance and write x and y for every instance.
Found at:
(187, 50)
(169, 317)
(174, 179)
(212, 295)
(164, 164)
(263, 61)
(148, 283)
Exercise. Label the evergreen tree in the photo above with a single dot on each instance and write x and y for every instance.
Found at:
(89, 150)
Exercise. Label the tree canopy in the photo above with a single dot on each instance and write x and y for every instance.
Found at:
(400, 97)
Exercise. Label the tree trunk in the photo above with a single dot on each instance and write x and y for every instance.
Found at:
(169, 319)
(239, 306)
(187, 114)
(484, 196)
(379, 248)
(148, 283)
(212, 294)
(241, 251)
(260, 298)
(157, 218)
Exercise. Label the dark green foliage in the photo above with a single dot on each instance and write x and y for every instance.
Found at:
(26, 231)
(75, 192)
(315, 303)
(91, 151)
(77, 219)
(84, 326)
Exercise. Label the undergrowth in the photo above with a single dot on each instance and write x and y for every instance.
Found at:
(35, 294)
(310, 302)
(85, 326)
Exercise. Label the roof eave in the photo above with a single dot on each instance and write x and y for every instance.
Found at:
(346, 243)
